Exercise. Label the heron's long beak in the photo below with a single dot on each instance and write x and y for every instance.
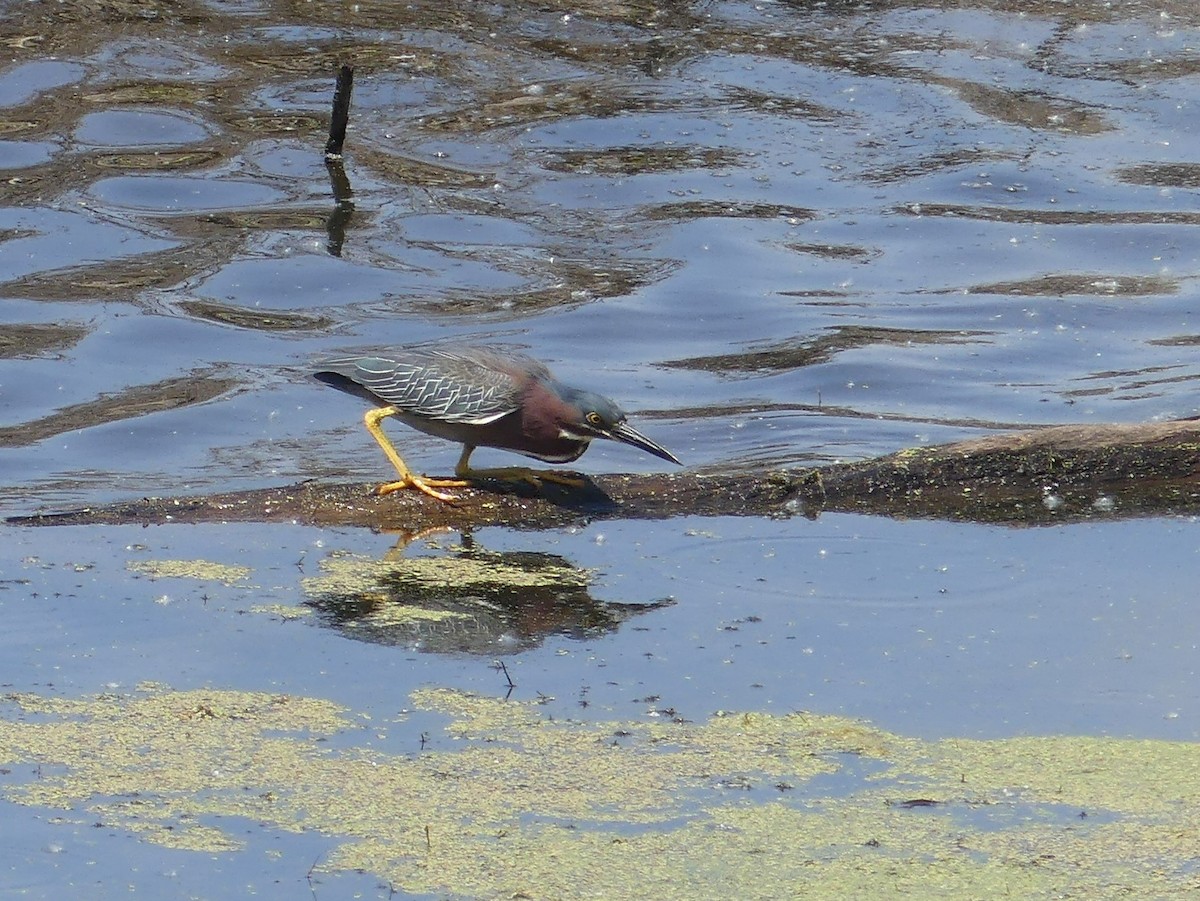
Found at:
(627, 434)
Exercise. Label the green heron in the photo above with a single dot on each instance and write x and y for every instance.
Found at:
(480, 397)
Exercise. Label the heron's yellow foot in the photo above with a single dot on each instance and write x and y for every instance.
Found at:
(534, 477)
(559, 478)
(408, 479)
(426, 486)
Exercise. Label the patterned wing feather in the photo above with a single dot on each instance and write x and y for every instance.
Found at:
(467, 385)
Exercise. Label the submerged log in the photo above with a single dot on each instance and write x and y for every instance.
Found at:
(1047, 475)
(1041, 476)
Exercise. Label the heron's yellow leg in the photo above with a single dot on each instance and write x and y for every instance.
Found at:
(535, 477)
(408, 479)
(462, 468)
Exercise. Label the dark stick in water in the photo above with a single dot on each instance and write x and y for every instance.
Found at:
(341, 113)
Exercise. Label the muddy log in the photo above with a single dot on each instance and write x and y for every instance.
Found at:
(1041, 476)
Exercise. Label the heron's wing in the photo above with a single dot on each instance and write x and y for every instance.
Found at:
(467, 385)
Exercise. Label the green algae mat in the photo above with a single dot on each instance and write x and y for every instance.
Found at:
(511, 802)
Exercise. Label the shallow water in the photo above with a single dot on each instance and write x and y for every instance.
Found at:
(1002, 204)
(924, 630)
(778, 234)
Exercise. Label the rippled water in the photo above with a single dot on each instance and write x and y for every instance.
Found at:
(778, 233)
(959, 218)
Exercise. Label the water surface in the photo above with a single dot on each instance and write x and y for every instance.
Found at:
(779, 234)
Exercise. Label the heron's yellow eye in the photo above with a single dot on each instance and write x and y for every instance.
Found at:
(593, 418)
